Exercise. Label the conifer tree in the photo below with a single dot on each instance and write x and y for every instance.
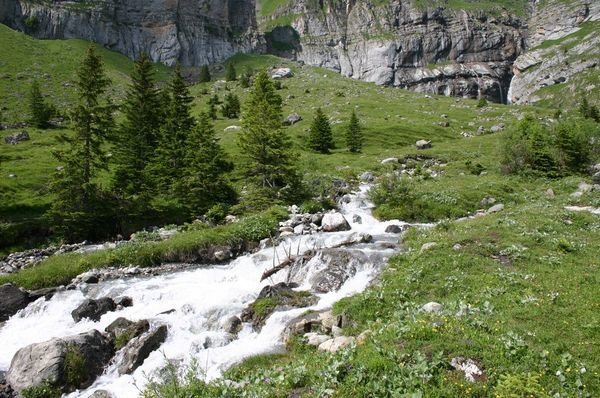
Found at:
(231, 106)
(269, 161)
(38, 108)
(77, 209)
(212, 106)
(320, 138)
(204, 74)
(173, 138)
(203, 183)
(246, 77)
(354, 137)
(231, 74)
(138, 134)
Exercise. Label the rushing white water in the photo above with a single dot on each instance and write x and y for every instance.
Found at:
(203, 299)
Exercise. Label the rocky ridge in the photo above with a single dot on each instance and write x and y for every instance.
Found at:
(439, 51)
(193, 32)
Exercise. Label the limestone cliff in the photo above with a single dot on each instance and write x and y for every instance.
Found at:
(436, 50)
(562, 60)
(192, 31)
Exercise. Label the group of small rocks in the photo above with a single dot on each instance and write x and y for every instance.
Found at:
(29, 258)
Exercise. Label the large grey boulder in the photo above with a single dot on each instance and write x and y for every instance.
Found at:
(341, 265)
(85, 355)
(93, 309)
(12, 299)
(335, 222)
(140, 348)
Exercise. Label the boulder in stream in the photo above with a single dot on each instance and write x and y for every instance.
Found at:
(67, 363)
(12, 299)
(335, 222)
(93, 309)
(140, 348)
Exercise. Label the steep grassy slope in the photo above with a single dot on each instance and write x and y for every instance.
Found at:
(53, 63)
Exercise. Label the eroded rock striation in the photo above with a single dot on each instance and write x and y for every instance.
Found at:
(194, 32)
(441, 51)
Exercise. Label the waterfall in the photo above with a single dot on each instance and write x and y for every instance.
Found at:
(509, 94)
(202, 299)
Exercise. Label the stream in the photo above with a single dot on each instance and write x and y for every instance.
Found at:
(202, 299)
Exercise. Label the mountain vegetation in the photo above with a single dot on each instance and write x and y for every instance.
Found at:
(511, 255)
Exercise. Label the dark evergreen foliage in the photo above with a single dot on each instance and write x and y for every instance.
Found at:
(354, 137)
(231, 73)
(138, 134)
(203, 183)
(205, 76)
(231, 106)
(80, 209)
(266, 149)
(174, 135)
(39, 109)
(320, 138)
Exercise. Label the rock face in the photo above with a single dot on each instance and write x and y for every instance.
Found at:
(195, 32)
(52, 361)
(435, 50)
(566, 57)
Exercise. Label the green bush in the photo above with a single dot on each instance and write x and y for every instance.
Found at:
(560, 149)
(482, 103)
(74, 367)
(517, 386)
(43, 391)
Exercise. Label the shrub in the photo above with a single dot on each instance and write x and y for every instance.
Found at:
(74, 367)
(43, 391)
(561, 149)
(517, 386)
(482, 103)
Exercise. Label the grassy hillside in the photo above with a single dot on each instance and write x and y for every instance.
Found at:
(53, 63)
(392, 118)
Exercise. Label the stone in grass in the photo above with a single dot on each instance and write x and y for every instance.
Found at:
(423, 144)
(496, 208)
(432, 307)
(470, 368)
(336, 344)
(389, 160)
(316, 339)
(428, 246)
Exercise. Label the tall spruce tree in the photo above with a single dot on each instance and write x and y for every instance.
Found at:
(204, 74)
(231, 74)
(203, 181)
(213, 102)
(174, 134)
(78, 210)
(320, 138)
(354, 136)
(39, 110)
(138, 134)
(266, 150)
(231, 106)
